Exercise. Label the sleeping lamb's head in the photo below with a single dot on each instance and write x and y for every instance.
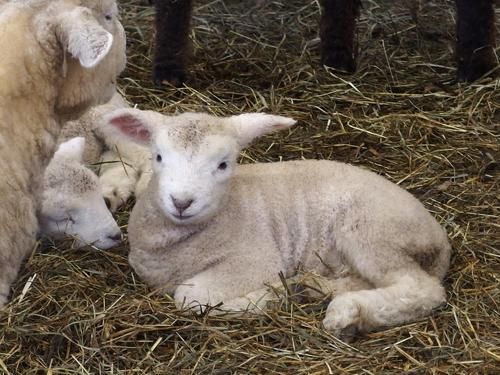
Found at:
(72, 201)
(193, 155)
(90, 39)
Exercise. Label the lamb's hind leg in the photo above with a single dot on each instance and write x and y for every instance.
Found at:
(401, 296)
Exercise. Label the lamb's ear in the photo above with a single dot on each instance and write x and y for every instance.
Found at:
(252, 125)
(72, 149)
(132, 123)
(83, 37)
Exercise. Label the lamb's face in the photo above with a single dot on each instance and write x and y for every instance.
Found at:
(95, 53)
(193, 160)
(193, 155)
(72, 202)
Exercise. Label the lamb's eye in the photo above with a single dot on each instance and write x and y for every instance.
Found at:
(158, 158)
(222, 166)
(66, 220)
(108, 17)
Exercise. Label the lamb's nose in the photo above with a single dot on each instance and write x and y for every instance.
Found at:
(116, 237)
(181, 204)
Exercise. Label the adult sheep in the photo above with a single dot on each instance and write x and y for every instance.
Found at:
(58, 58)
(210, 231)
(474, 49)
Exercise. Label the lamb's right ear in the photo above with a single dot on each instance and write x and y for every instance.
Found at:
(132, 123)
(252, 125)
(83, 37)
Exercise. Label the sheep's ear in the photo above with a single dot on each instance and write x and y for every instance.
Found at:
(131, 122)
(252, 125)
(83, 37)
(72, 149)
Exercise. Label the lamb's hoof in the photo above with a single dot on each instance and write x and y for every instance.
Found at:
(169, 74)
(114, 199)
(349, 333)
(339, 60)
(343, 317)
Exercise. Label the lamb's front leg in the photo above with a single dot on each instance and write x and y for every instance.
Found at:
(232, 286)
(117, 180)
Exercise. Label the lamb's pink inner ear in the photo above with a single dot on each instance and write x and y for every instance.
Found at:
(131, 126)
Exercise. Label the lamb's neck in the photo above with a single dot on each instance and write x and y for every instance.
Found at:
(178, 234)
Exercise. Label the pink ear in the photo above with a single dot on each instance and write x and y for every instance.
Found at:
(131, 125)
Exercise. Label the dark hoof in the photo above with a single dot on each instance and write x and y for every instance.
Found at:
(339, 61)
(473, 72)
(173, 75)
(349, 333)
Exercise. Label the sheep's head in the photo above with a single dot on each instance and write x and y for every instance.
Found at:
(72, 201)
(93, 43)
(193, 155)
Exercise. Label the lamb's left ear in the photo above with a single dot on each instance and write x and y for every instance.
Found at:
(252, 125)
(71, 149)
(83, 37)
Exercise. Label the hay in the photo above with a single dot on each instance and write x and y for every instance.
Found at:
(401, 115)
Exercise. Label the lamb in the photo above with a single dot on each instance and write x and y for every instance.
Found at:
(58, 58)
(474, 49)
(209, 231)
(72, 201)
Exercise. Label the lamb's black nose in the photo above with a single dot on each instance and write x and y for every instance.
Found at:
(115, 237)
(181, 205)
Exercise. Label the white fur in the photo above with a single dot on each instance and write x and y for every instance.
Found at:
(237, 227)
(72, 202)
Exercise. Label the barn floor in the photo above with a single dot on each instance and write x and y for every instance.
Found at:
(84, 312)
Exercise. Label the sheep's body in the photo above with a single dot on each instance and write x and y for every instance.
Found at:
(72, 203)
(475, 37)
(332, 218)
(209, 237)
(37, 93)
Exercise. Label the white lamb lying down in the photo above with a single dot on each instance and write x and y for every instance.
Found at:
(210, 231)
(72, 203)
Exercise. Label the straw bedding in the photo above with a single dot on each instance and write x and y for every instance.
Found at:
(401, 115)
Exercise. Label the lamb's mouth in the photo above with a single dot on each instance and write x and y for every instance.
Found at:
(182, 217)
